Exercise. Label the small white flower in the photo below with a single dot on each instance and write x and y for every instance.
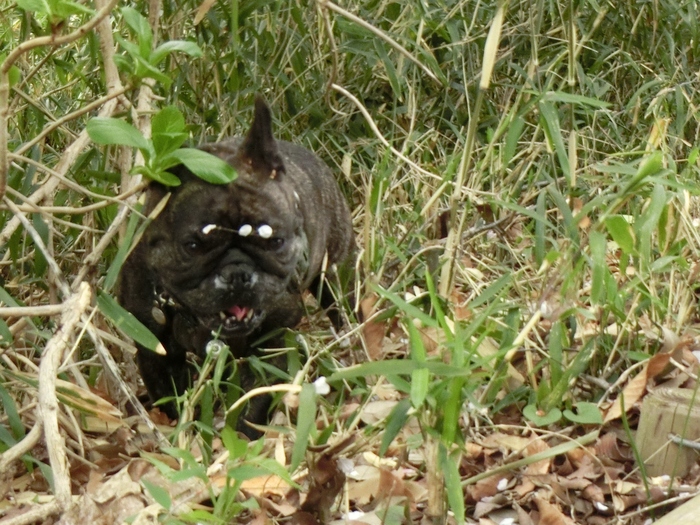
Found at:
(265, 231)
(215, 347)
(322, 387)
(502, 485)
(208, 228)
(245, 230)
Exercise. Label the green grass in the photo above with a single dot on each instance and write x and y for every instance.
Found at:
(523, 244)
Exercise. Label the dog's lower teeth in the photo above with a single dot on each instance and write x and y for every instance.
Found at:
(249, 315)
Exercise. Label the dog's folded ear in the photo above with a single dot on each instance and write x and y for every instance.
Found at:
(259, 147)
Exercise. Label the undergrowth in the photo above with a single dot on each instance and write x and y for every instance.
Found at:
(523, 180)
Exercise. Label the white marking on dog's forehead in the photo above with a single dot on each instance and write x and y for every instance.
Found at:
(208, 228)
(245, 230)
(265, 231)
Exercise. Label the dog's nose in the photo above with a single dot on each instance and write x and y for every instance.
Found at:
(236, 276)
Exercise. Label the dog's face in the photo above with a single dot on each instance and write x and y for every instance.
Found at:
(229, 254)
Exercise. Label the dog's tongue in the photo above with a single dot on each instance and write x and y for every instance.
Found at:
(238, 311)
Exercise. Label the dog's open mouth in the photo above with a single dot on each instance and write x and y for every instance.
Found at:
(238, 318)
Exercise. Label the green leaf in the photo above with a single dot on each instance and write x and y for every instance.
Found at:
(389, 68)
(165, 178)
(126, 322)
(418, 352)
(693, 156)
(649, 166)
(168, 120)
(452, 409)
(621, 232)
(165, 143)
(62, 9)
(6, 337)
(186, 456)
(10, 408)
(40, 7)
(139, 25)
(144, 69)
(420, 383)
(453, 485)
(552, 128)
(236, 446)
(14, 74)
(586, 414)
(6, 439)
(410, 310)
(106, 130)
(394, 367)
(158, 493)
(598, 245)
(555, 350)
(394, 423)
(131, 232)
(568, 98)
(539, 418)
(491, 291)
(515, 130)
(206, 166)
(540, 240)
(648, 222)
(181, 46)
(305, 422)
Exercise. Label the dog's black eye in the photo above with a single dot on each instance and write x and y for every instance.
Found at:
(276, 243)
(192, 246)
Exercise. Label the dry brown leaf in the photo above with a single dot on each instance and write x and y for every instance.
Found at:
(472, 450)
(482, 508)
(593, 492)
(391, 486)
(551, 515)
(539, 467)
(484, 488)
(608, 447)
(506, 443)
(525, 487)
(376, 411)
(304, 518)
(523, 517)
(632, 393)
(489, 348)
(260, 517)
(265, 486)
(588, 468)
(363, 518)
(372, 331)
(461, 308)
(575, 483)
(361, 492)
(202, 10)
(326, 480)
(281, 507)
(432, 337)
(657, 364)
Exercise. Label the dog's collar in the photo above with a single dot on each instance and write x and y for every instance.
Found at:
(161, 301)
